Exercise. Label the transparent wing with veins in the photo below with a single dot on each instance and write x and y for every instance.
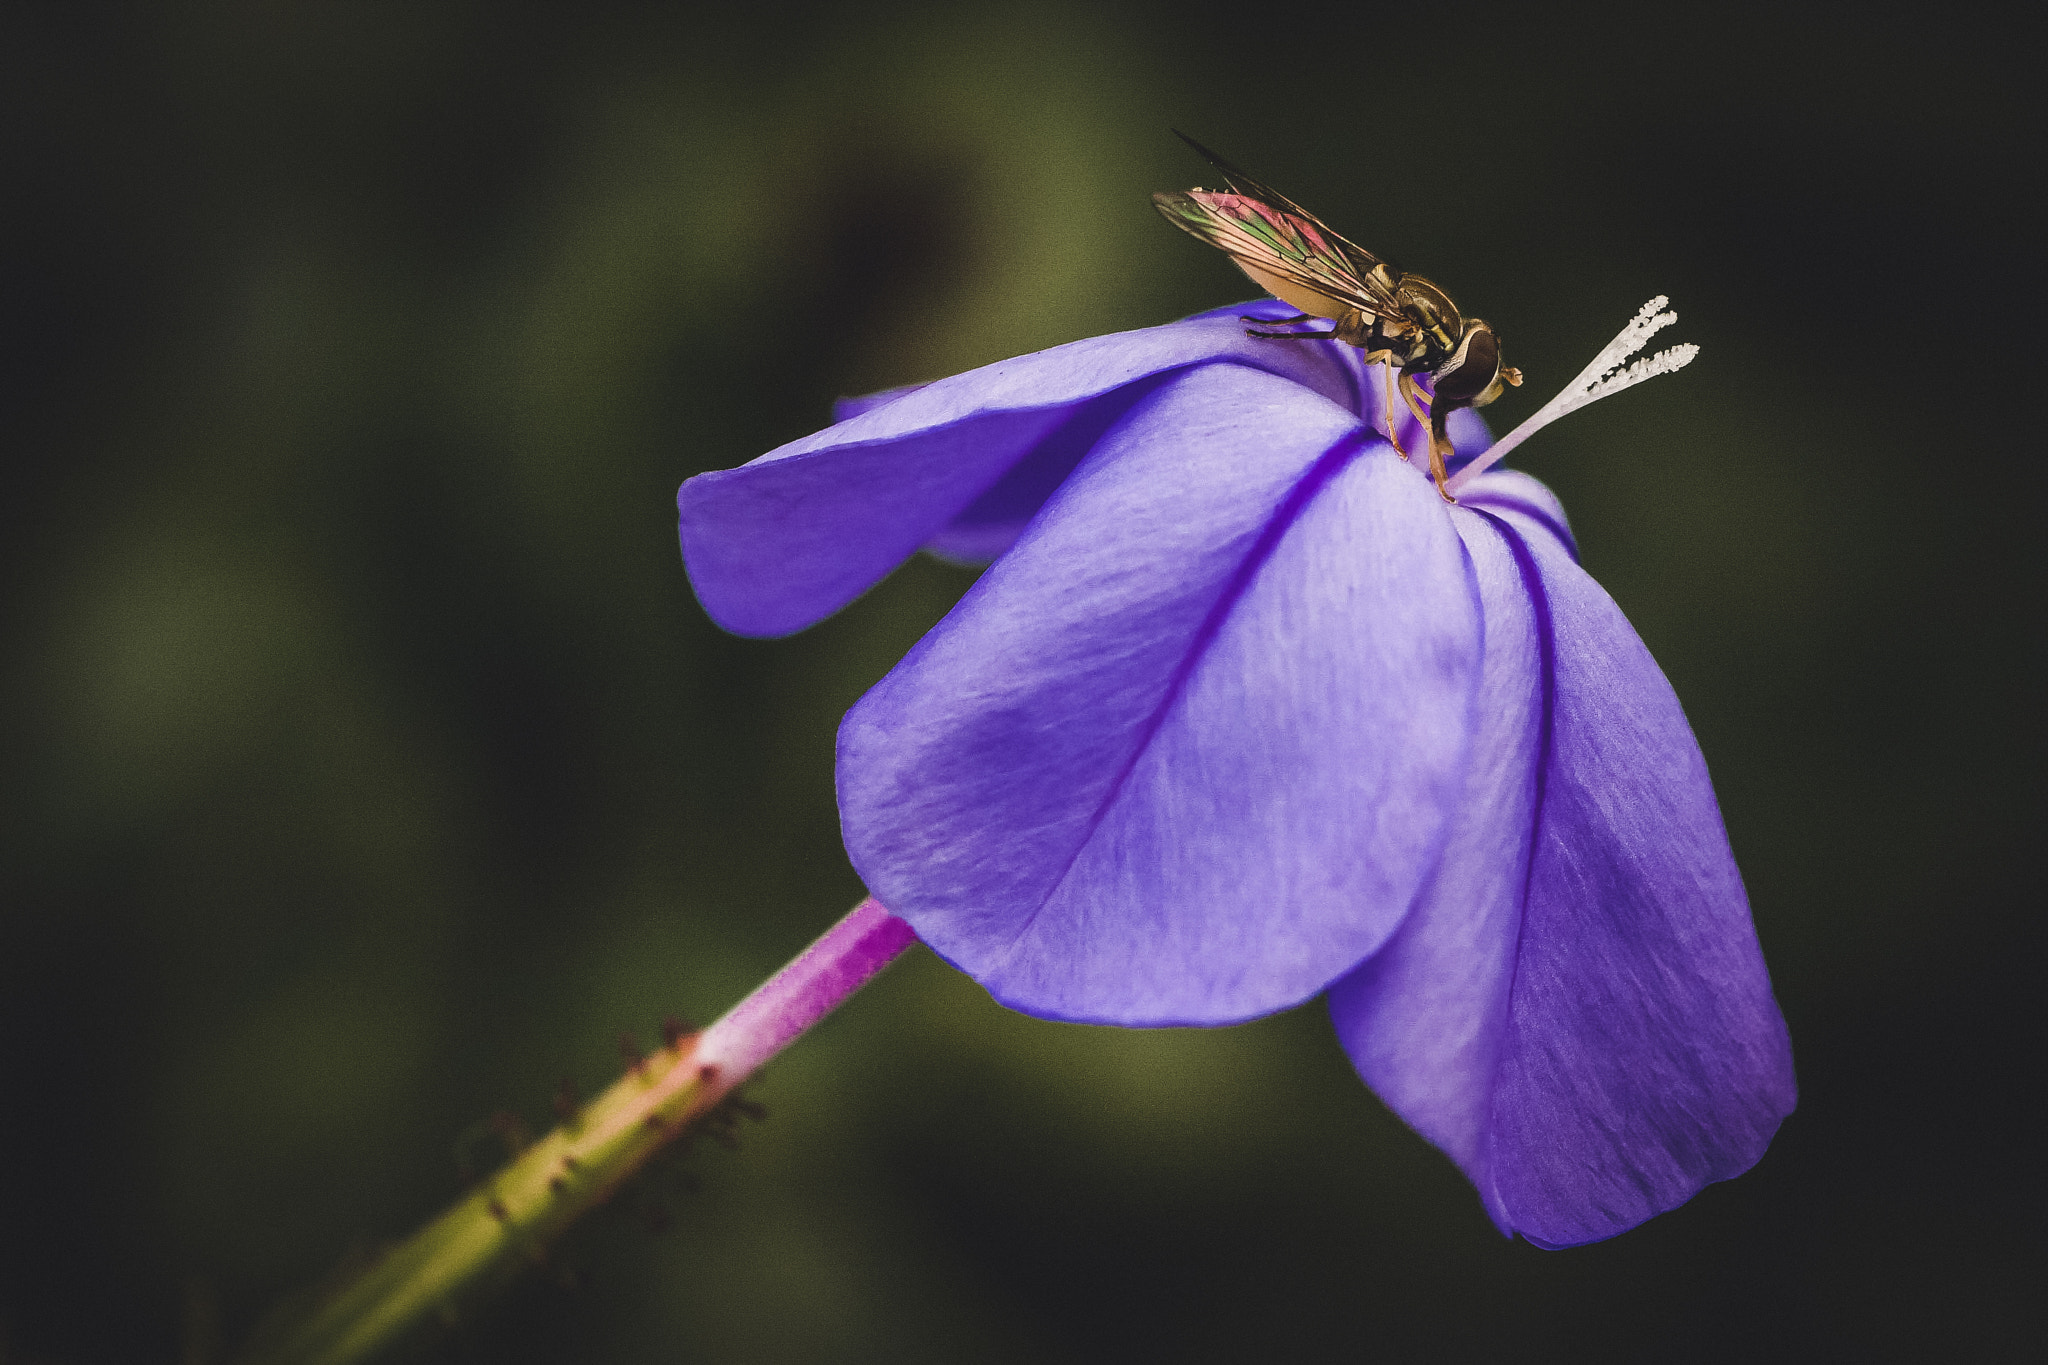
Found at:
(1283, 247)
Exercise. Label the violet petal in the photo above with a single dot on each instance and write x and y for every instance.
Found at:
(1600, 1044)
(1423, 1019)
(790, 538)
(1186, 752)
(1511, 491)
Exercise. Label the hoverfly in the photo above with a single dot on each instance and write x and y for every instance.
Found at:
(1395, 318)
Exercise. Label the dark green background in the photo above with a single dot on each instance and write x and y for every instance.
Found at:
(369, 767)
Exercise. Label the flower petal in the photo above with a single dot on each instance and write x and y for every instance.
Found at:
(1511, 491)
(846, 409)
(792, 537)
(1596, 1046)
(1424, 1018)
(992, 522)
(1185, 753)
(989, 525)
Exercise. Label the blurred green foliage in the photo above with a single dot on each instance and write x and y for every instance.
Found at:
(371, 768)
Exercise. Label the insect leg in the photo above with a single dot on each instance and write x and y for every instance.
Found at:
(1392, 439)
(1278, 322)
(1439, 443)
(1290, 336)
(1432, 419)
(1437, 473)
(1411, 391)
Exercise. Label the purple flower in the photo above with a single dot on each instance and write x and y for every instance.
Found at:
(1243, 713)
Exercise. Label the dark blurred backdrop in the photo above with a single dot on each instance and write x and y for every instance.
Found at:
(370, 768)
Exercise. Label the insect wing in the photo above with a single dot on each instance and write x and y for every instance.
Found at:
(1244, 184)
(1279, 248)
(1362, 261)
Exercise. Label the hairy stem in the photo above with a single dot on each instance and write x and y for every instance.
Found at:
(507, 1222)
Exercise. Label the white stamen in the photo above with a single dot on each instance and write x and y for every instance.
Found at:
(1599, 379)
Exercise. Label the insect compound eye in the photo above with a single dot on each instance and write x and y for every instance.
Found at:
(1472, 367)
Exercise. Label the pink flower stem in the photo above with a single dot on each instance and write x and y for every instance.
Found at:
(784, 1006)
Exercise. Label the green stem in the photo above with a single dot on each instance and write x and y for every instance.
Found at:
(509, 1220)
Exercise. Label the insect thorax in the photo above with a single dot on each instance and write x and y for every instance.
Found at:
(1430, 310)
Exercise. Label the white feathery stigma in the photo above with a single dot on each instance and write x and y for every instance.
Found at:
(1603, 377)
